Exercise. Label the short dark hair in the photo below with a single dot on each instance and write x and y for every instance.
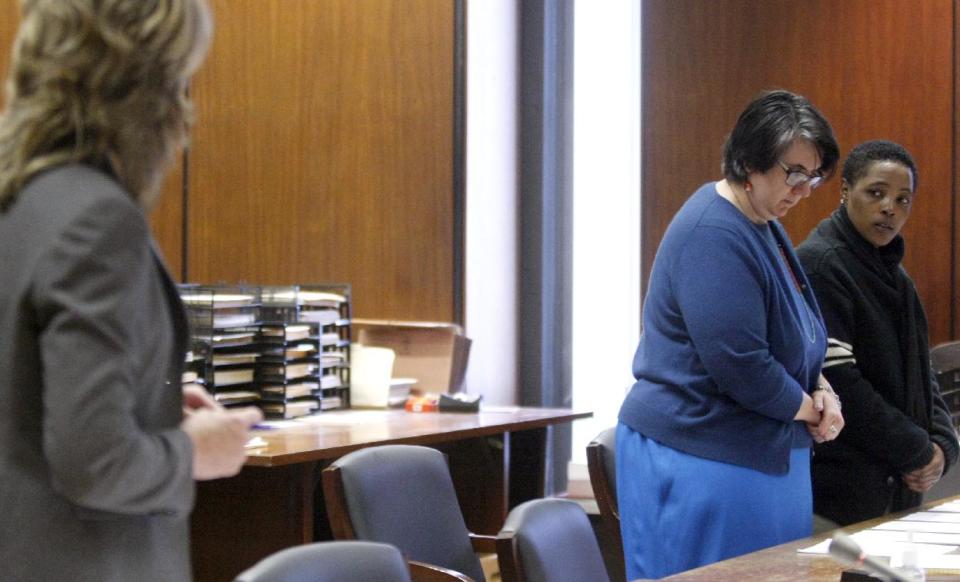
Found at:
(767, 128)
(861, 157)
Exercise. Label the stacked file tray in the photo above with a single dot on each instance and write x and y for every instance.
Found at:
(305, 349)
(193, 369)
(224, 326)
(288, 370)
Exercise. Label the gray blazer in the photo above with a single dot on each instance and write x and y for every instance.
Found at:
(95, 475)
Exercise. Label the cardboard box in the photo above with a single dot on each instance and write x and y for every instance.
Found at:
(434, 353)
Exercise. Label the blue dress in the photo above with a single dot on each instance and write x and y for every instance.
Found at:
(710, 463)
(679, 511)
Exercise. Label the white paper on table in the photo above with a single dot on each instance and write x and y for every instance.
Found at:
(821, 548)
(890, 544)
(255, 443)
(920, 526)
(936, 538)
(941, 562)
(939, 516)
(943, 539)
(948, 506)
(951, 506)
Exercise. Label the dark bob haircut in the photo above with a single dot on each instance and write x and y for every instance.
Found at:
(768, 126)
(860, 159)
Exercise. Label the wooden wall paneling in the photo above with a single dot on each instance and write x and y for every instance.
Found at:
(324, 151)
(955, 214)
(860, 61)
(9, 20)
(166, 220)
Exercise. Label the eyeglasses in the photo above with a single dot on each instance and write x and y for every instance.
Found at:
(799, 177)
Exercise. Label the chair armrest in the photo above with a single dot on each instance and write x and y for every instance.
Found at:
(484, 544)
(423, 572)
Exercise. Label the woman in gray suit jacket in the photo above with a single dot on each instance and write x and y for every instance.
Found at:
(99, 448)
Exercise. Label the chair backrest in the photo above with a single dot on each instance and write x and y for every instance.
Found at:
(945, 360)
(601, 463)
(352, 561)
(401, 495)
(549, 540)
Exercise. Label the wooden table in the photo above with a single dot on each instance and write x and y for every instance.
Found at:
(497, 460)
(777, 564)
(784, 564)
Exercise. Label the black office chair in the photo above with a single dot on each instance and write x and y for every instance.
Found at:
(945, 361)
(403, 495)
(601, 463)
(945, 357)
(331, 562)
(549, 540)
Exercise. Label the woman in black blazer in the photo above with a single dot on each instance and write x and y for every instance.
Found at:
(100, 448)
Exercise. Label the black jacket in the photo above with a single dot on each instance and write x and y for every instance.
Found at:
(878, 361)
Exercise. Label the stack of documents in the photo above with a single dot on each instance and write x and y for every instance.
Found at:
(934, 533)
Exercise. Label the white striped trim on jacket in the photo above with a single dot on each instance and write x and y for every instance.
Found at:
(838, 353)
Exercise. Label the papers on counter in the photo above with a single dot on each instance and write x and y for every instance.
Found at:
(255, 443)
(934, 533)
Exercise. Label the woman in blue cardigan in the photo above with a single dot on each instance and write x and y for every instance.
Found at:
(713, 445)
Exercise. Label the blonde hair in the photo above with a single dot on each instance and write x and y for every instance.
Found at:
(103, 82)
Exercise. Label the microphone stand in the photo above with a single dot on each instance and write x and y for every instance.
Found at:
(844, 549)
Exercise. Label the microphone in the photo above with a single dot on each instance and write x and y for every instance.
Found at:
(846, 550)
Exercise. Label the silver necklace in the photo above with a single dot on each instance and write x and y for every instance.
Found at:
(812, 334)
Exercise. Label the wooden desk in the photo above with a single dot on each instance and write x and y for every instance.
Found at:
(497, 459)
(784, 564)
(777, 564)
